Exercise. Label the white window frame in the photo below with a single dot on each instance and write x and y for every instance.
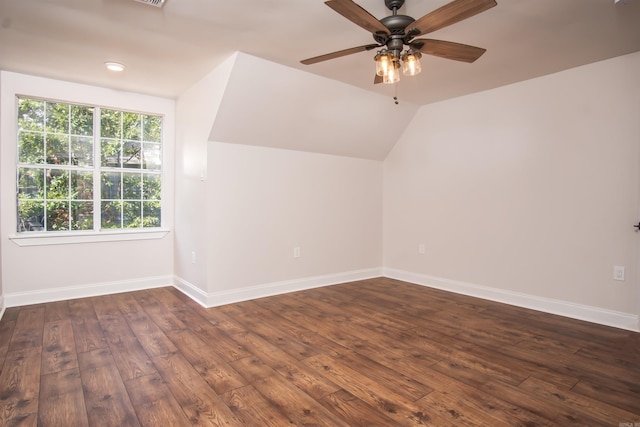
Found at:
(17, 85)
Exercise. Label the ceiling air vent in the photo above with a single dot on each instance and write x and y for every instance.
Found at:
(156, 3)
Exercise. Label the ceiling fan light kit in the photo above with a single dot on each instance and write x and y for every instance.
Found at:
(392, 33)
(411, 63)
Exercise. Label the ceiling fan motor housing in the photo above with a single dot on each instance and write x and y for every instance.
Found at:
(396, 25)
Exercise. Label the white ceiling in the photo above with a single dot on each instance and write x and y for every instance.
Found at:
(166, 50)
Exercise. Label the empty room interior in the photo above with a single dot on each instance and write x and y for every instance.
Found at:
(327, 213)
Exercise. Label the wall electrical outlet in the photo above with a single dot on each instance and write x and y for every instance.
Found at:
(193, 257)
(618, 272)
(296, 252)
(421, 249)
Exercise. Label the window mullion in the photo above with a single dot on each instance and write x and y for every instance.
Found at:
(97, 162)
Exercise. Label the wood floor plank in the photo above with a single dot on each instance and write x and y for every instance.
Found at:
(300, 333)
(572, 399)
(11, 313)
(6, 331)
(87, 331)
(200, 403)
(298, 373)
(170, 297)
(298, 406)
(59, 347)
(225, 346)
(154, 403)
(519, 367)
(622, 394)
(106, 398)
(131, 359)
(251, 317)
(460, 412)
(62, 402)
(20, 387)
(537, 404)
(375, 352)
(408, 387)
(252, 368)
(254, 409)
(400, 409)
(28, 330)
(58, 310)
(203, 357)
(150, 336)
(354, 411)
(162, 317)
(113, 323)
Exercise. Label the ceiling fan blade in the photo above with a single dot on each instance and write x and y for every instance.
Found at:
(448, 50)
(339, 54)
(448, 14)
(357, 15)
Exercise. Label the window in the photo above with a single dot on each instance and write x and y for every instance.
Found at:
(87, 168)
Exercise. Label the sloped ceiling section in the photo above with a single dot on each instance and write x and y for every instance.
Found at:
(271, 105)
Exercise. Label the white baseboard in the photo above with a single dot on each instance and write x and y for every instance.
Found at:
(72, 292)
(215, 299)
(575, 311)
(191, 290)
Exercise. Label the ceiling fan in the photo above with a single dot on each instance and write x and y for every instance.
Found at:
(392, 33)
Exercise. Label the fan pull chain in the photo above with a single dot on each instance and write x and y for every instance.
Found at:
(395, 93)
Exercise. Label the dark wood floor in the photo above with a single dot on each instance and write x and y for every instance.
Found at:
(372, 353)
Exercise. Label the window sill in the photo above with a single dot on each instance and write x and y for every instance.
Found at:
(45, 239)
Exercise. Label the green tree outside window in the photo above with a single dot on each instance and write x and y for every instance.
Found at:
(64, 148)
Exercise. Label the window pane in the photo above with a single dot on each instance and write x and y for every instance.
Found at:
(57, 149)
(151, 155)
(31, 115)
(110, 184)
(131, 186)
(151, 186)
(81, 120)
(82, 215)
(110, 214)
(131, 124)
(30, 147)
(132, 215)
(152, 128)
(57, 215)
(131, 154)
(61, 196)
(57, 184)
(151, 214)
(30, 215)
(30, 183)
(82, 151)
(110, 122)
(110, 153)
(57, 117)
(81, 185)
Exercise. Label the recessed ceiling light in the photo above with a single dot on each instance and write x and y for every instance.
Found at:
(114, 66)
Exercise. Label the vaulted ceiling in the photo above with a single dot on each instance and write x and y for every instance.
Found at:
(166, 50)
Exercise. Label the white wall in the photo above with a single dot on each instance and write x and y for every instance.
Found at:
(70, 269)
(526, 190)
(243, 205)
(196, 109)
(271, 105)
(2, 304)
(263, 202)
